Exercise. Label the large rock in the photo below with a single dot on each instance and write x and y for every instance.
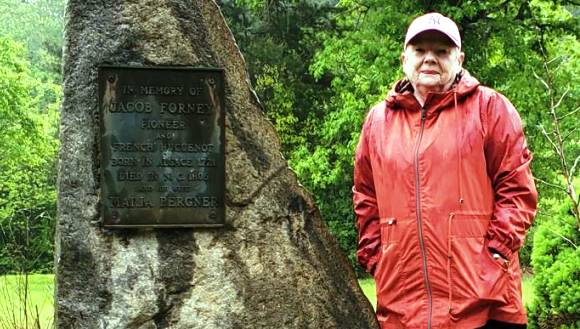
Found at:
(274, 265)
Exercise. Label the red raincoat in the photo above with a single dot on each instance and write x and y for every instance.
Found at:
(434, 188)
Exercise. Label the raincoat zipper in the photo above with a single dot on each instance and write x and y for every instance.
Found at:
(419, 220)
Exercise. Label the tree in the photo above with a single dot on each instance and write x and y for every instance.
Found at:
(556, 252)
(27, 165)
(38, 25)
(356, 62)
(29, 98)
(500, 39)
(278, 41)
(319, 72)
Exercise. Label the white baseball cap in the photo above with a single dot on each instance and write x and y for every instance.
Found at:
(433, 22)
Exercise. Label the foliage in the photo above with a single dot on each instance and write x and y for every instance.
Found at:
(27, 164)
(279, 39)
(360, 57)
(559, 74)
(556, 262)
(39, 26)
(319, 67)
(555, 255)
(29, 99)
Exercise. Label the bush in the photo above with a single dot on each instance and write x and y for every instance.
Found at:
(525, 252)
(556, 263)
(26, 237)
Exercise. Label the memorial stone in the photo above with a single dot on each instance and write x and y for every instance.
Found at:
(123, 257)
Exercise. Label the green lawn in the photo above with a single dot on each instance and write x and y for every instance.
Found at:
(368, 287)
(527, 290)
(40, 301)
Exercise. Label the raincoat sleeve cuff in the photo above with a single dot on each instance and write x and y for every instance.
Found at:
(501, 248)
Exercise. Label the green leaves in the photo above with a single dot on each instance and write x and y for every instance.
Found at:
(28, 121)
(39, 26)
(30, 96)
(556, 262)
(319, 68)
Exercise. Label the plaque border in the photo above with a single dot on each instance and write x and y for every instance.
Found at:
(101, 170)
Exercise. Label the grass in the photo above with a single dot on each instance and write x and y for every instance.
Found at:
(40, 304)
(527, 290)
(368, 287)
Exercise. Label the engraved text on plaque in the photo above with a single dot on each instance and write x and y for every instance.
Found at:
(162, 147)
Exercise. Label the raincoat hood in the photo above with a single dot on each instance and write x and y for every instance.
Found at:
(401, 95)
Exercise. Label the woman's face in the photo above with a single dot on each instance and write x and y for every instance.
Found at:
(431, 61)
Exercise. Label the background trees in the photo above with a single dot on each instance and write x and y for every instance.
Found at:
(29, 99)
(347, 58)
(555, 255)
(318, 65)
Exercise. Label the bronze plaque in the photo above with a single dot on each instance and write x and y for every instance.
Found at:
(162, 146)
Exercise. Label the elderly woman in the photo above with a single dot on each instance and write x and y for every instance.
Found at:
(443, 192)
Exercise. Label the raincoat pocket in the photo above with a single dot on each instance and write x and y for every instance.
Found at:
(475, 277)
(389, 276)
(494, 275)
